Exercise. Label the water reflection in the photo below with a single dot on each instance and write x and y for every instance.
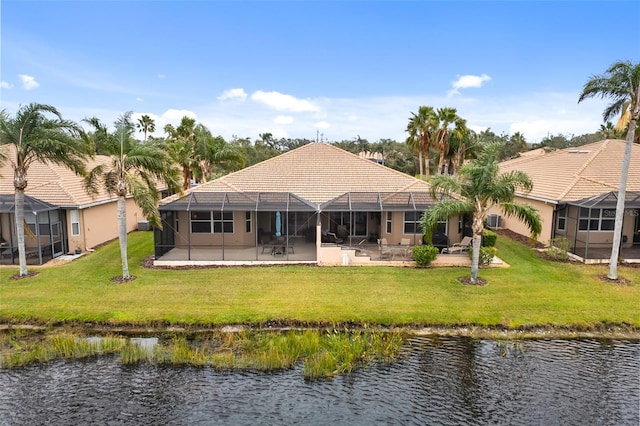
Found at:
(437, 381)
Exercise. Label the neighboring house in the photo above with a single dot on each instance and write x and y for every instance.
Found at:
(288, 208)
(60, 217)
(575, 190)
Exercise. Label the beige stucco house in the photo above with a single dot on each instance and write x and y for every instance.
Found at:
(575, 190)
(288, 208)
(60, 217)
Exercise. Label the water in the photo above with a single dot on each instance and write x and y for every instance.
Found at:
(452, 381)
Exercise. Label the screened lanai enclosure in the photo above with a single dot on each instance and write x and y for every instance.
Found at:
(43, 231)
(589, 223)
(282, 226)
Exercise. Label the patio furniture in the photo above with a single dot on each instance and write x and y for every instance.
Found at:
(385, 249)
(460, 247)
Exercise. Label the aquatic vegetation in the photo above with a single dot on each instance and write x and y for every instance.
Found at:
(323, 354)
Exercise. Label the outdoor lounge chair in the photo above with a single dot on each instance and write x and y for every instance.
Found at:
(460, 247)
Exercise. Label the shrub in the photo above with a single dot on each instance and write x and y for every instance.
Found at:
(489, 238)
(559, 248)
(486, 255)
(425, 254)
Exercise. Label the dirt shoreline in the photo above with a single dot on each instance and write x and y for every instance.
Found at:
(600, 331)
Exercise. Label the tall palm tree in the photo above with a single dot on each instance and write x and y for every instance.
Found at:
(464, 145)
(132, 168)
(146, 125)
(447, 117)
(196, 150)
(421, 127)
(209, 151)
(38, 133)
(477, 188)
(181, 147)
(620, 83)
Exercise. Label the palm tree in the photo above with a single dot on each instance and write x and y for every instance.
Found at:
(477, 188)
(181, 146)
(210, 150)
(445, 118)
(609, 131)
(421, 127)
(38, 133)
(621, 83)
(146, 124)
(132, 168)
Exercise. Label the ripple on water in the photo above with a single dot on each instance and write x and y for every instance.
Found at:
(436, 381)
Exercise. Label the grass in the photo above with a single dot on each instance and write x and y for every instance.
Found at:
(532, 292)
(323, 354)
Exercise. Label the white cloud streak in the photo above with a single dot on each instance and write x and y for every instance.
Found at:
(5, 85)
(28, 82)
(282, 102)
(467, 81)
(233, 94)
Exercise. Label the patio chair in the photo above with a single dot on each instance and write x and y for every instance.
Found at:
(385, 250)
(460, 247)
(406, 243)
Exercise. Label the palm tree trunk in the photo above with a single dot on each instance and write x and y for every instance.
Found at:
(122, 236)
(622, 190)
(477, 228)
(19, 201)
(420, 165)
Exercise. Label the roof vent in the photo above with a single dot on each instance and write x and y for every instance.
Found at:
(579, 151)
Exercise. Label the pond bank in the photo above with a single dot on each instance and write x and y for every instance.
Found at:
(598, 331)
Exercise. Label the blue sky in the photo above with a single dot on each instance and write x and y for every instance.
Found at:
(297, 69)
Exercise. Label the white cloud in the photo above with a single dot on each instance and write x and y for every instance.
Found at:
(238, 94)
(322, 125)
(162, 76)
(139, 99)
(28, 82)
(283, 119)
(466, 81)
(282, 102)
(177, 114)
(5, 85)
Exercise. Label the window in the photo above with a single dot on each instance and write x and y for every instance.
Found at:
(344, 219)
(598, 220)
(201, 222)
(412, 222)
(247, 222)
(212, 222)
(561, 224)
(223, 222)
(442, 227)
(74, 217)
(388, 222)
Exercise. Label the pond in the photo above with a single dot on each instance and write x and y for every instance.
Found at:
(446, 381)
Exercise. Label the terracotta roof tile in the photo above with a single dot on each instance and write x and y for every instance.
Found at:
(576, 173)
(317, 172)
(52, 183)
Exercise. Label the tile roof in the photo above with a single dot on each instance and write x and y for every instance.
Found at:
(575, 173)
(317, 172)
(54, 184)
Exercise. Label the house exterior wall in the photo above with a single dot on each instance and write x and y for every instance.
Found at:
(597, 238)
(545, 209)
(99, 224)
(240, 237)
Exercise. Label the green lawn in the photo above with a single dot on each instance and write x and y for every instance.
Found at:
(531, 292)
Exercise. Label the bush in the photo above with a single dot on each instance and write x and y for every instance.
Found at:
(559, 248)
(425, 254)
(486, 255)
(489, 238)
